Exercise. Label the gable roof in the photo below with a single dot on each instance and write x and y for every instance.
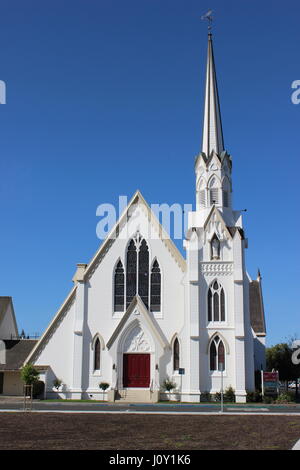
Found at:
(114, 233)
(149, 320)
(257, 314)
(16, 353)
(5, 302)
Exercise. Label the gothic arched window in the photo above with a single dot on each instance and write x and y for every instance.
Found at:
(176, 354)
(217, 354)
(97, 354)
(143, 255)
(131, 277)
(119, 285)
(155, 288)
(216, 303)
(137, 270)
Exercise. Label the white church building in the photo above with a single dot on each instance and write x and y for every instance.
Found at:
(140, 313)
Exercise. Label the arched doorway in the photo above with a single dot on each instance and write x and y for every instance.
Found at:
(136, 359)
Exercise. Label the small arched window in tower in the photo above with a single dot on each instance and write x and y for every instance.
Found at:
(216, 303)
(176, 355)
(155, 288)
(217, 354)
(213, 191)
(97, 354)
(119, 288)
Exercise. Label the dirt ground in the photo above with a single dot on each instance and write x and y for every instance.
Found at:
(55, 431)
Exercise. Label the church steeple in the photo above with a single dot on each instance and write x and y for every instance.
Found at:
(213, 165)
(212, 125)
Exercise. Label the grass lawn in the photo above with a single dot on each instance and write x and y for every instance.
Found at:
(56, 431)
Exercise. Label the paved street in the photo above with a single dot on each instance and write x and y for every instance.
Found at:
(63, 406)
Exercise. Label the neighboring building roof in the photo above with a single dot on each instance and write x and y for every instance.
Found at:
(16, 353)
(257, 314)
(5, 303)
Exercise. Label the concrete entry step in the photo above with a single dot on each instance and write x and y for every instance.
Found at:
(136, 396)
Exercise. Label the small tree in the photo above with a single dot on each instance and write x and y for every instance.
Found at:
(104, 386)
(29, 374)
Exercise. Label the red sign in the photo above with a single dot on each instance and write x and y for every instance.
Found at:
(270, 376)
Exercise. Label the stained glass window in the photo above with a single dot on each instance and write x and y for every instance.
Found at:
(144, 272)
(176, 354)
(131, 275)
(97, 355)
(213, 356)
(155, 294)
(119, 288)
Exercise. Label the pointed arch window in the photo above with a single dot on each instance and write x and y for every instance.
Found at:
(131, 269)
(97, 349)
(217, 354)
(143, 281)
(176, 355)
(155, 288)
(119, 288)
(137, 270)
(216, 303)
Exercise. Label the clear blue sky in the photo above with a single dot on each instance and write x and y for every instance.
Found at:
(104, 97)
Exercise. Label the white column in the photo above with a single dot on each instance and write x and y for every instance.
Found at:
(78, 334)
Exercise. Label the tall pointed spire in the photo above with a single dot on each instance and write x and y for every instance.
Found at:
(212, 126)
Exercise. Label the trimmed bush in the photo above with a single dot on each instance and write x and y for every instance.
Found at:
(254, 397)
(229, 395)
(285, 398)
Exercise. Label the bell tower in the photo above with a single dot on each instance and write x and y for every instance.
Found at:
(213, 165)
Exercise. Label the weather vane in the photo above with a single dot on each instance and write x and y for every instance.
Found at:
(208, 16)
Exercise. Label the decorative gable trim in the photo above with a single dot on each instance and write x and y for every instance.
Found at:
(136, 308)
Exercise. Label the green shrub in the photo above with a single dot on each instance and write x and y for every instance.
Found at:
(285, 398)
(229, 395)
(254, 397)
(268, 399)
(29, 374)
(205, 396)
(168, 385)
(57, 383)
(104, 386)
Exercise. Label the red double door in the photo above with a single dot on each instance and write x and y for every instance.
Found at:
(136, 370)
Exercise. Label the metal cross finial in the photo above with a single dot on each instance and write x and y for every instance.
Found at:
(208, 16)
